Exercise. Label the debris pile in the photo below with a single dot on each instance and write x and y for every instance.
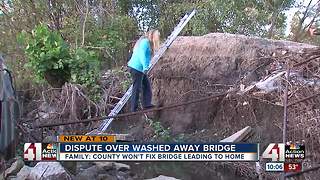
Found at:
(72, 102)
(56, 170)
(195, 67)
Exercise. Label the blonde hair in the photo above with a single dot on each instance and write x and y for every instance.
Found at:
(154, 37)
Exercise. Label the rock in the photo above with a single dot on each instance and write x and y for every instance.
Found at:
(121, 167)
(14, 168)
(84, 165)
(112, 165)
(161, 177)
(105, 165)
(70, 166)
(45, 109)
(105, 170)
(89, 173)
(122, 176)
(49, 171)
(24, 172)
(106, 177)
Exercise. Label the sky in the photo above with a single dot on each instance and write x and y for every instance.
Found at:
(291, 12)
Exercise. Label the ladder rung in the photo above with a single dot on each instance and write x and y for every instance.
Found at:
(114, 97)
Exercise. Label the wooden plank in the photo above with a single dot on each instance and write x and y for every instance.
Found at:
(238, 136)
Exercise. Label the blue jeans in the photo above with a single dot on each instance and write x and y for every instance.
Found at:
(140, 82)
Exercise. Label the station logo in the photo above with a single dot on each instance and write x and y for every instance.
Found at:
(40, 151)
(275, 152)
(295, 150)
(49, 151)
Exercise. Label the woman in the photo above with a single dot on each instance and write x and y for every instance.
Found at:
(139, 64)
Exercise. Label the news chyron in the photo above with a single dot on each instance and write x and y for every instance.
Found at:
(108, 148)
(284, 157)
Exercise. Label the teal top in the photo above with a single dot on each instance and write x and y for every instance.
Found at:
(141, 56)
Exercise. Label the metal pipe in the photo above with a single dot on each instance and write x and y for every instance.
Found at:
(285, 111)
(303, 99)
(134, 113)
(306, 61)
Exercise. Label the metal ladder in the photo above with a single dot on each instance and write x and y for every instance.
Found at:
(105, 124)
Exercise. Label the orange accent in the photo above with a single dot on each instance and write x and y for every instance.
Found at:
(49, 146)
(75, 138)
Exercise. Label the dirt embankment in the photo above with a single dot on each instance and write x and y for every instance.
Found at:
(195, 67)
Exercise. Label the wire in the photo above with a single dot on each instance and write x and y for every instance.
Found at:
(134, 113)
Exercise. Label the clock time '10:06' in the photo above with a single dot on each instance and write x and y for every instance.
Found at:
(272, 166)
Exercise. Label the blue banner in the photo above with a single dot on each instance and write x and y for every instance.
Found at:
(148, 147)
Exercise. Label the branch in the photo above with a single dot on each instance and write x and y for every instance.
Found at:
(275, 14)
(273, 24)
(84, 22)
(4, 10)
(6, 13)
(94, 47)
(304, 17)
(312, 20)
(102, 48)
(305, 13)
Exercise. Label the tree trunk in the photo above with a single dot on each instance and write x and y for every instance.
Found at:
(273, 24)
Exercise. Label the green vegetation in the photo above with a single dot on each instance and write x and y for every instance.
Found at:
(51, 59)
(125, 81)
(85, 67)
(161, 133)
(249, 17)
(64, 41)
(76, 41)
(48, 54)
